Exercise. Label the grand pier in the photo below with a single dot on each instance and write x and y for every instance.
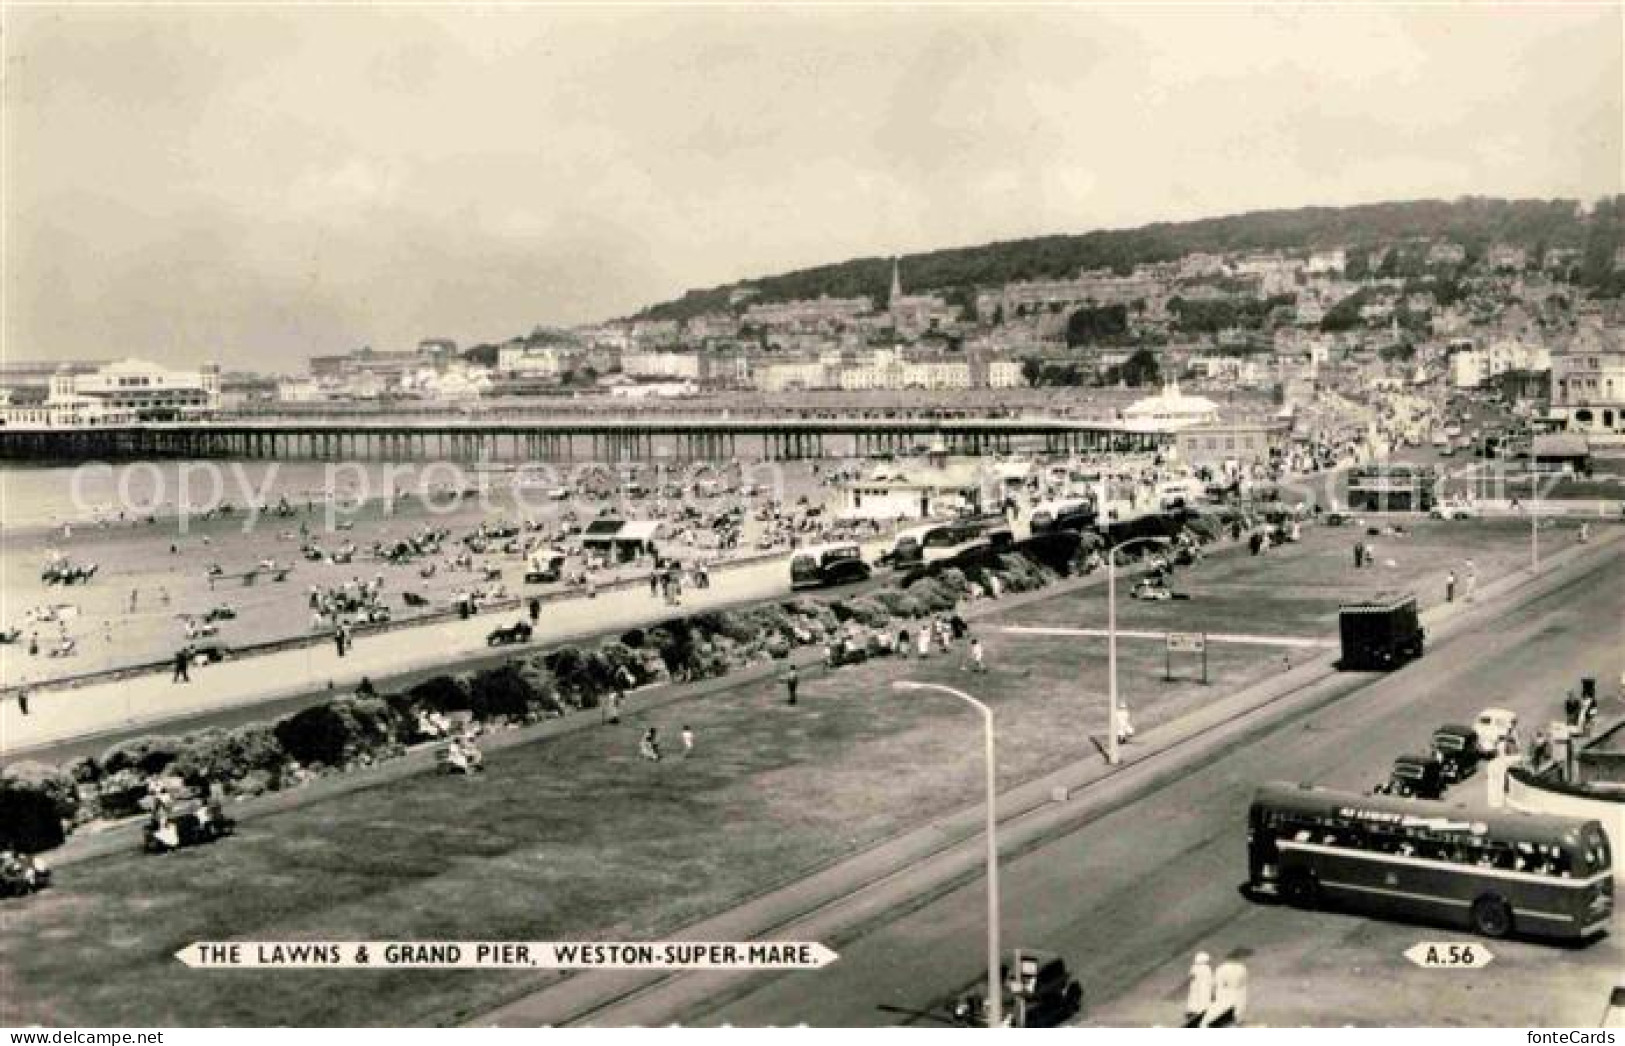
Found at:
(577, 438)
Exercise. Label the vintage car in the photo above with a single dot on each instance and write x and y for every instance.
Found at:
(518, 632)
(1416, 777)
(1457, 748)
(1040, 993)
(209, 648)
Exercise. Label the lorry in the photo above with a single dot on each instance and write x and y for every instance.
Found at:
(1381, 633)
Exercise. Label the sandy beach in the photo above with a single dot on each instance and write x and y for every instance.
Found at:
(151, 575)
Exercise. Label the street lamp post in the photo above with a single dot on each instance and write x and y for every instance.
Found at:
(1113, 753)
(1534, 528)
(995, 990)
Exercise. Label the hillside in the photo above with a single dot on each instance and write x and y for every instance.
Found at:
(1474, 222)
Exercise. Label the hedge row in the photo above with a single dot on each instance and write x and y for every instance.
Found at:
(36, 801)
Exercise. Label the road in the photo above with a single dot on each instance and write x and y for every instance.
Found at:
(1129, 897)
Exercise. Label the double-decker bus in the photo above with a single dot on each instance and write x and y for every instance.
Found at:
(937, 541)
(1066, 514)
(1497, 874)
(832, 564)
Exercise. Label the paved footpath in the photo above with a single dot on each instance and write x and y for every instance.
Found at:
(116, 705)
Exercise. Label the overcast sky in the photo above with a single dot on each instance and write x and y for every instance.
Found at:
(258, 185)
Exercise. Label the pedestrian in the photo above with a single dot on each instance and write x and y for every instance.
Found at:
(649, 746)
(792, 680)
(535, 609)
(688, 740)
(1585, 533)
(904, 643)
(22, 699)
(654, 583)
(183, 657)
(923, 640)
(1125, 727)
(1359, 554)
(338, 639)
(1229, 995)
(1472, 580)
(33, 644)
(1450, 587)
(976, 663)
(1199, 996)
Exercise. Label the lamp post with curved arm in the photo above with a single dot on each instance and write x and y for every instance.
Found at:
(995, 990)
(1113, 754)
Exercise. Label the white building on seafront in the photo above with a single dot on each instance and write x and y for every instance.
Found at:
(1170, 410)
(1588, 385)
(128, 392)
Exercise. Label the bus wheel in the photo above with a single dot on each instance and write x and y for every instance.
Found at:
(1492, 917)
(1300, 890)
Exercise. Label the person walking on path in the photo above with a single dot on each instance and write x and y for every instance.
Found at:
(688, 740)
(535, 609)
(1199, 995)
(924, 640)
(1472, 580)
(183, 658)
(1359, 554)
(338, 639)
(1229, 995)
(1585, 535)
(1450, 587)
(792, 680)
(976, 664)
(1125, 727)
(649, 746)
(22, 699)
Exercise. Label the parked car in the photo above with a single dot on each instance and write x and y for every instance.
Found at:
(1457, 747)
(210, 649)
(1040, 993)
(1416, 777)
(518, 632)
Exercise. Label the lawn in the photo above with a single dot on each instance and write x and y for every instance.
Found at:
(576, 837)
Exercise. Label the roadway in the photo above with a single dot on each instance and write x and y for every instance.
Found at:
(1128, 897)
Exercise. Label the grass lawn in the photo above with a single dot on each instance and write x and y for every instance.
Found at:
(577, 838)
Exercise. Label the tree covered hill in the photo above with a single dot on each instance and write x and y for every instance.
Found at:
(1474, 222)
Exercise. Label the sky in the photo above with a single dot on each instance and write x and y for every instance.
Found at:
(258, 184)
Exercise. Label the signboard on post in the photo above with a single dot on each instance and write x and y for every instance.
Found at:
(1184, 643)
